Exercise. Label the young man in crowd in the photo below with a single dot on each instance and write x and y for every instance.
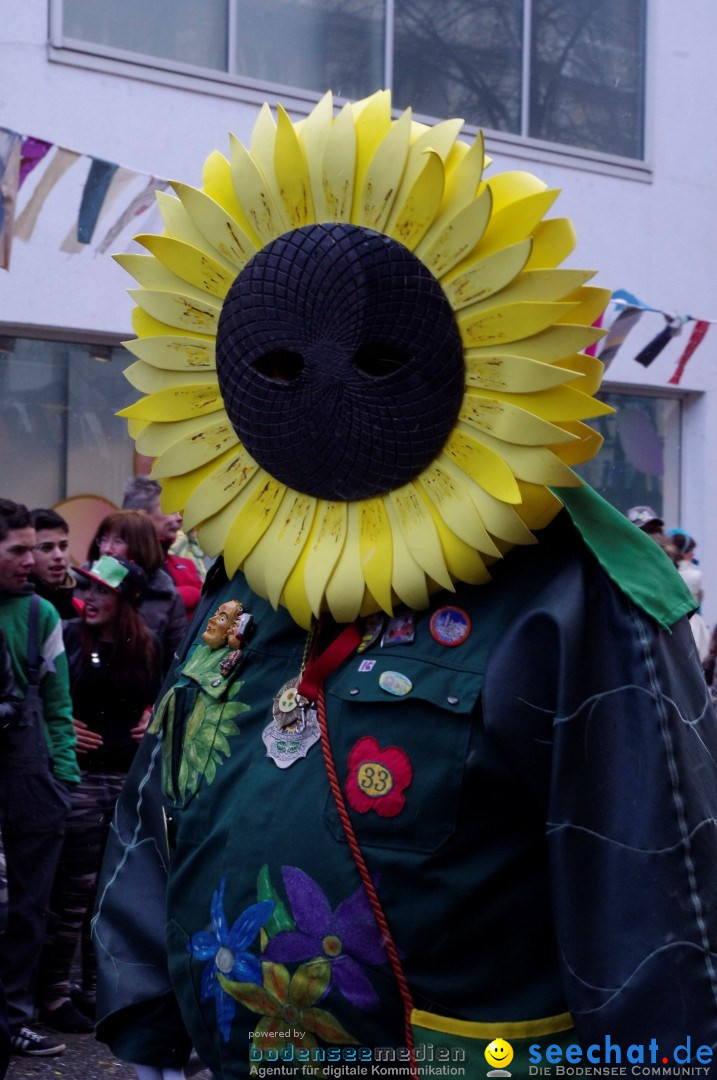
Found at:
(37, 762)
(51, 575)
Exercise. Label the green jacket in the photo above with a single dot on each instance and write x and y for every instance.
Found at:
(534, 786)
(54, 681)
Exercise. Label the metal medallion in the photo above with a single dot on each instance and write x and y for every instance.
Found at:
(285, 745)
(288, 706)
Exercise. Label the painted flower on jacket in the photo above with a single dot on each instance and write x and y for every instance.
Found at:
(344, 939)
(287, 1005)
(225, 951)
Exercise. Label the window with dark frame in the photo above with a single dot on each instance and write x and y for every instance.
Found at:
(561, 72)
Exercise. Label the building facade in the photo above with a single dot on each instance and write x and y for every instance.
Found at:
(611, 101)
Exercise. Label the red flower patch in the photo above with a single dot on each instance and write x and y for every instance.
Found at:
(377, 778)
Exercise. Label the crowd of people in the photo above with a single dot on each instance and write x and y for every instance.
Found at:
(681, 547)
(83, 650)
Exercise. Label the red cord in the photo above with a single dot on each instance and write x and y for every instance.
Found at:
(368, 884)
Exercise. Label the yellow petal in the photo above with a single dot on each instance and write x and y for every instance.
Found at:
(553, 241)
(177, 404)
(376, 550)
(462, 180)
(513, 186)
(486, 276)
(503, 324)
(558, 404)
(589, 367)
(214, 430)
(534, 285)
(408, 579)
(214, 531)
(177, 490)
(174, 353)
(419, 533)
(230, 475)
(150, 274)
(481, 458)
(292, 173)
(314, 135)
(268, 566)
(136, 427)
(499, 518)
(294, 597)
(414, 209)
(144, 326)
(190, 264)
(217, 184)
(517, 374)
(266, 218)
(225, 236)
(516, 221)
(587, 445)
(538, 505)
(261, 148)
(149, 380)
(181, 310)
(457, 238)
(345, 590)
(338, 169)
(180, 225)
(550, 345)
(532, 463)
(440, 139)
(486, 412)
(372, 121)
(454, 504)
(383, 175)
(324, 548)
(591, 303)
(257, 505)
(463, 562)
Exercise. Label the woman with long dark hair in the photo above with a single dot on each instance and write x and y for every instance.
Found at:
(114, 677)
(130, 534)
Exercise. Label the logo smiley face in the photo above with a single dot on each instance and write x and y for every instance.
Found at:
(499, 1053)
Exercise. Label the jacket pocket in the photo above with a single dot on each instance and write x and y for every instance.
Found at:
(401, 759)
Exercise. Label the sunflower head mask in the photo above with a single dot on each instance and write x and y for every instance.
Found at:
(362, 366)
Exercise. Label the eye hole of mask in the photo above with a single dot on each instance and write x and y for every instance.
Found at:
(279, 365)
(378, 360)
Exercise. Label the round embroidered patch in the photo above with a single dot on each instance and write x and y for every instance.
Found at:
(377, 778)
(450, 625)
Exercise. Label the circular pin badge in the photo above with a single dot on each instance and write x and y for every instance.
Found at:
(450, 625)
(393, 682)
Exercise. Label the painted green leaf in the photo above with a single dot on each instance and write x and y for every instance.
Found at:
(280, 919)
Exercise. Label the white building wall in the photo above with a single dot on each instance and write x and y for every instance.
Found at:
(654, 233)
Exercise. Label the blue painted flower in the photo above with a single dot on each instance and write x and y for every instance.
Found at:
(226, 953)
(345, 938)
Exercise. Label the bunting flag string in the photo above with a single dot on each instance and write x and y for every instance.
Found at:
(105, 184)
(629, 311)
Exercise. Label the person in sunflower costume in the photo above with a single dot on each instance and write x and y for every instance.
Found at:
(435, 765)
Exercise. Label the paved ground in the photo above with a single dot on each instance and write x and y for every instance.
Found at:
(84, 1059)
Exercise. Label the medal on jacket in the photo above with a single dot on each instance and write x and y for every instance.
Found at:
(286, 743)
(294, 726)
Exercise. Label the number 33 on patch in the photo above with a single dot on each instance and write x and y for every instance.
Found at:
(378, 777)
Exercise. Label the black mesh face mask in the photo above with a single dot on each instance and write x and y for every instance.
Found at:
(340, 362)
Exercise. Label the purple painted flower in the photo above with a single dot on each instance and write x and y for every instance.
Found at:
(341, 937)
(225, 951)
